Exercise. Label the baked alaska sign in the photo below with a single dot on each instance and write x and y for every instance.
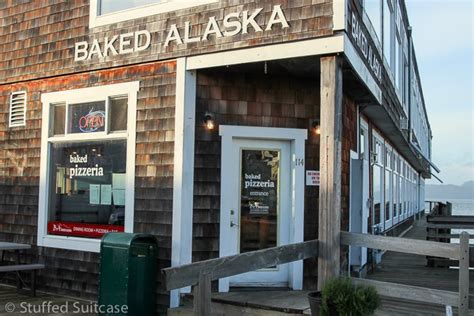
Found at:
(233, 24)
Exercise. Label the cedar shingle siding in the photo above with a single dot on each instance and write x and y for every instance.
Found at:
(76, 272)
(38, 37)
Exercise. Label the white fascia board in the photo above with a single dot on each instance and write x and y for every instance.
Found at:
(361, 69)
(313, 47)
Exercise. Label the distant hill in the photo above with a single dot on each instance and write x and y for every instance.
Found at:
(449, 191)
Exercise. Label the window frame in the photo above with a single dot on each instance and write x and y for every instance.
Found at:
(388, 187)
(82, 95)
(96, 20)
(378, 149)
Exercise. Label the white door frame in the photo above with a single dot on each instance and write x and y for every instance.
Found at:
(297, 138)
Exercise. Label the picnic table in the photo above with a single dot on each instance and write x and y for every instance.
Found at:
(17, 267)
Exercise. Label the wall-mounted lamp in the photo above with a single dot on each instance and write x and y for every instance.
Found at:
(316, 127)
(208, 121)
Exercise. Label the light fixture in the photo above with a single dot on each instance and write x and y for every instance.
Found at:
(316, 127)
(209, 121)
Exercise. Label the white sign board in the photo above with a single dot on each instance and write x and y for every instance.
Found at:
(312, 178)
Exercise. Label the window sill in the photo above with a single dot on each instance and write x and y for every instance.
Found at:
(70, 243)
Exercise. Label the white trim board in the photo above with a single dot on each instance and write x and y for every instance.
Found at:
(183, 176)
(313, 47)
(297, 138)
(339, 15)
(80, 96)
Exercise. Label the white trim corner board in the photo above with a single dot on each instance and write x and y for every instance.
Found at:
(183, 177)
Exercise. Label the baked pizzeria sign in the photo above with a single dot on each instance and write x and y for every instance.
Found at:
(233, 24)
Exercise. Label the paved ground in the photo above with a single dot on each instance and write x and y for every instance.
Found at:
(12, 303)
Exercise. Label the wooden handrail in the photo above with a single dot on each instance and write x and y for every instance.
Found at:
(413, 246)
(203, 272)
(185, 275)
(466, 219)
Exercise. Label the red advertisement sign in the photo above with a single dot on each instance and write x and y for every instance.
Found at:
(82, 229)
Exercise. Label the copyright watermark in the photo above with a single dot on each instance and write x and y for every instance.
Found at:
(50, 307)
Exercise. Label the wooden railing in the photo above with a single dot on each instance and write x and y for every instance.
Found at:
(439, 225)
(459, 252)
(203, 272)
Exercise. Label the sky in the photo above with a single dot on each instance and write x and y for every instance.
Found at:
(443, 36)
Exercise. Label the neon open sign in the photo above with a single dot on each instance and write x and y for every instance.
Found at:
(92, 121)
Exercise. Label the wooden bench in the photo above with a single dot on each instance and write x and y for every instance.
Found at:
(24, 267)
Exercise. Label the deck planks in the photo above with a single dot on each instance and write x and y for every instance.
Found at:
(411, 269)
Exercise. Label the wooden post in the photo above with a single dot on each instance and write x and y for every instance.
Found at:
(464, 274)
(202, 295)
(330, 168)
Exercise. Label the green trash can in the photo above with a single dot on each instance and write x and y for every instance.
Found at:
(127, 274)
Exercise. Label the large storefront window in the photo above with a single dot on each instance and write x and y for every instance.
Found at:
(87, 165)
(87, 188)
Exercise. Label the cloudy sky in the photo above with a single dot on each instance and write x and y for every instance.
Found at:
(443, 38)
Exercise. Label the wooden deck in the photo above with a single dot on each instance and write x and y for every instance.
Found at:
(412, 270)
(21, 302)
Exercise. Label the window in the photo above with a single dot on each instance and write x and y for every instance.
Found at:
(109, 6)
(103, 12)
(396, 68)
(378, 175)
(387, 31)
(388, 187)
(373, 8)
(17, 113)
(87, 165)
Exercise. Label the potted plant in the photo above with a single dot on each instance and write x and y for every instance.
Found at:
(340, 297)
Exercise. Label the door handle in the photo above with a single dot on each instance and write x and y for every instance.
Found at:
(232, 224)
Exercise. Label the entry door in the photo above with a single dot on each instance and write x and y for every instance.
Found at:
(257, 201)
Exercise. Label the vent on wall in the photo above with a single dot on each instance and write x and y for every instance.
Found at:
(18, 109)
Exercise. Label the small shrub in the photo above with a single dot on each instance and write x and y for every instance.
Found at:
(337, 296)
(366, 300)
(340, 297)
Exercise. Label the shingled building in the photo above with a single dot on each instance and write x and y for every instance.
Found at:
(219, 126)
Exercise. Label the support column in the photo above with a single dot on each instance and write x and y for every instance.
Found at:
(183, 175)
(330, 168)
